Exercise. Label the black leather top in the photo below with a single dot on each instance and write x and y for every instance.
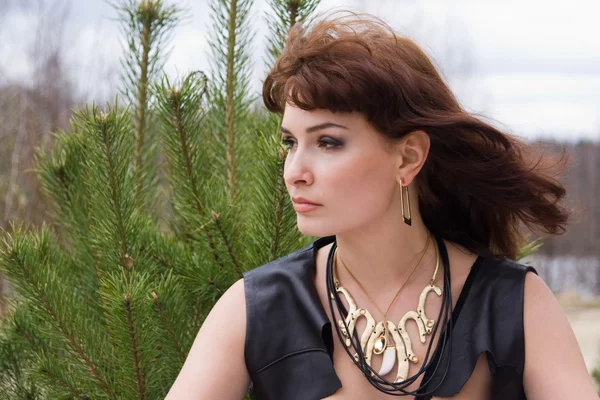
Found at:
(289, 338)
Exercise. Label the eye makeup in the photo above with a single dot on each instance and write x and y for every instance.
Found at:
(323, 142)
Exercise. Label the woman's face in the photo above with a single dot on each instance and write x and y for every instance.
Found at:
(338, 161)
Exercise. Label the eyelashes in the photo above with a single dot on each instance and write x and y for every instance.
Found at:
(287, 143)
(324, 142)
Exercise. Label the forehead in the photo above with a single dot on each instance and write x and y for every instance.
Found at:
(295, 118)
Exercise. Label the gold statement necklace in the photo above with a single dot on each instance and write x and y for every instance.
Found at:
(374, 339)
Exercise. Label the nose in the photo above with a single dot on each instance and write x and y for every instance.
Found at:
(296, 169)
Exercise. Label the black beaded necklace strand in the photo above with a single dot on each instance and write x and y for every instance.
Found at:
(445, 314)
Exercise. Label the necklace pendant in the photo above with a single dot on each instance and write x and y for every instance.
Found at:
(380, 344)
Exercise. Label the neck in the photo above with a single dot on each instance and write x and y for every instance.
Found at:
(383, 255)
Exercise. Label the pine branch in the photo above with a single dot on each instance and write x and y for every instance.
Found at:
(70, 337)
(229, 104)
(17, 258)
(61, 173)
(168, 326)
(134, 346)
(148, 25)
(111, 185)
(215, 217)
(180, 110)
(59, 380)
(36, 364)
(15, 381)
(130, 315)
(141, 106)
(229, 82)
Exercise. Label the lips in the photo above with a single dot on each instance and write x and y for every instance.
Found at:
(305, 207)
(302, 200)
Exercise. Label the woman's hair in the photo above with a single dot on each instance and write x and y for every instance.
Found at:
(478, 184)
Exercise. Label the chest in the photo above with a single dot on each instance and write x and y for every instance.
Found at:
(354, 383)
(356, 387)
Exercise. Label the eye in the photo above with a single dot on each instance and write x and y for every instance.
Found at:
(324, 142)
(287, 143)
(329, 143)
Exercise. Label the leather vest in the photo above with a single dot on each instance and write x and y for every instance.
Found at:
(289, 338)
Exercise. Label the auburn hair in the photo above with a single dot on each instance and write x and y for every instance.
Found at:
(478, 185)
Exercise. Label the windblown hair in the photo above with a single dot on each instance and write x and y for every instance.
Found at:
(478, 186)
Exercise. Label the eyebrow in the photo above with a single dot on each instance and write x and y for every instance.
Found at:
(316, 127)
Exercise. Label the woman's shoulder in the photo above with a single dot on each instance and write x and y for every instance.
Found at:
(499, 270)
(496, 286)
(284, 314)
(298, 258)
(291, 267)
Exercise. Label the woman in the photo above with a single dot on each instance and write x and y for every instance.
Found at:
(411, 289)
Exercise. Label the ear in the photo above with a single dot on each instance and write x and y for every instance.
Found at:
(412, 153)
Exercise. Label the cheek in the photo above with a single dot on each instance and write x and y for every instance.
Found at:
(355, 192)
(363, 188)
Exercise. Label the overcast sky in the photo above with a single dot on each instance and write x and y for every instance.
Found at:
(533, 66)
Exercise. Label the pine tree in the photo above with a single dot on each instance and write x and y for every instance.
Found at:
(112, 292)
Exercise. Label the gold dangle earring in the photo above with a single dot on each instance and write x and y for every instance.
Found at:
(405, 215)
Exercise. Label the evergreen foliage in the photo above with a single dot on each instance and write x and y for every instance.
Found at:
(108, 301)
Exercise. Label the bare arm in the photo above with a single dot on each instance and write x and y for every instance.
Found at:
(554, 366)
(215, 367)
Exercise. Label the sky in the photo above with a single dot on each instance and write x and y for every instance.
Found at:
(531, 67)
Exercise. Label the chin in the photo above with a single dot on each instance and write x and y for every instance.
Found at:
(317, 229)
